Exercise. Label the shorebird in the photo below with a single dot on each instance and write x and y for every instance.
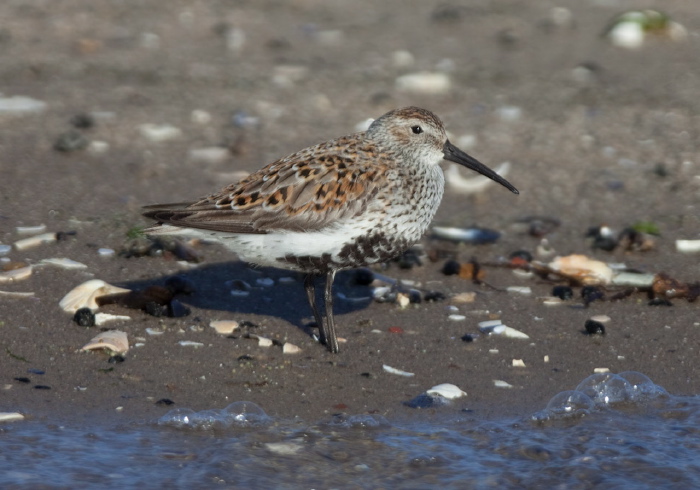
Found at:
(349, 202)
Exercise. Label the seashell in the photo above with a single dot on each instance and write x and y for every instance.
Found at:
(102, 318)
(582, 269)
(446, 390)
(105, 252)
(601, 370)
(519, 289)
(457, 318)
(424, 83)
(10, 416)
(224, 327)
(478, 236)
(111, 340)
(154, 332)
(499, 383)
(190, 343)
(463, 298)
(633, 279)
(518, 363)
(15, 271)
(403, 300)
(288, 348)
(262, 341)
(19, 105)
(31, 230)
(86, 294)
(159, 133)
(471, 185)
(688, 246)
(34, 241)
(392, 370)
(64, 263)
(497, 328)
(16, 294)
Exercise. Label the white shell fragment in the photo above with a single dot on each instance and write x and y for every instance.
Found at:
(105, 252)
(585, 270)
(102, 318)
(224, 327)
(10, 416)
(446, 390)
(457, 318)
(34, 241)
(31, 230)
(154, 332)
(64, 263)
(16, 294)
(159, 133)
(20, 105)
(601, 370)
(688, 246)
(190, 343)
(495, 327)
(518, 363)
(424, 83)
(499, 383)
(392, 370)
(262, 341)
(111, 340)
(525, 290)
(471, 185)
(86, 294)
(288, 348)
(16, 274)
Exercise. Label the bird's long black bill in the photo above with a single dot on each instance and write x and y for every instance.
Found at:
(454, 154)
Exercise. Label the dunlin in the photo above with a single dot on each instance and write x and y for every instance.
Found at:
(348, 202)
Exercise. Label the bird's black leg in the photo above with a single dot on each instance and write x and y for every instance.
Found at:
(310, 287)
(331, 337)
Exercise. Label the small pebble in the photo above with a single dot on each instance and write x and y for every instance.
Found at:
(84, 317)
(593, 327)
(424, 83)
(105, 252)
(562, 292)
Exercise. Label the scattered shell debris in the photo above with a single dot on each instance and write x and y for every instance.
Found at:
(190, 343)
(601, 370)
(102, 318)
(499, 383)
(288, 348)
(518, 363)
(495, 327)
(399, 372)
(446, 390)
(224, 327)
(17, 294)
(11, 416)
(262, 341)
(15, 271)
(34, 241)
(471, 185)
(688, 246)
(63, 263)
(112, 340)
(524, 290)
(30, 230)
(86, 294)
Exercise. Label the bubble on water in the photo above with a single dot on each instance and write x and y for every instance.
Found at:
(365, 421)
(606, 388)
(241, 414)
(566, 405)
(643, 388)
(179, 417)
(245, 413)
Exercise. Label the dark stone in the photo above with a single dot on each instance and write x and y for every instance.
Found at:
(562, 292)
(83, 121)
(116, 359)
(165, 402)
(431, 296)
(468, 337)
(660, 302)
(23, 380)
(593, 327)
(591, 294)
(42, 387)
(84, 317)
(451, 268)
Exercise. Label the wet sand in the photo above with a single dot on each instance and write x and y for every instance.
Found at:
(616, 147)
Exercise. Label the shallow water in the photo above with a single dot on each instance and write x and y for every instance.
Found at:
(649, 443)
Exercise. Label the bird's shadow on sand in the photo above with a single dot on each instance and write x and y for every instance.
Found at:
(285, 298)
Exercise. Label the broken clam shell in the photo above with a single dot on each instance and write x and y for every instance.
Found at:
(85, 295)
(111, 340)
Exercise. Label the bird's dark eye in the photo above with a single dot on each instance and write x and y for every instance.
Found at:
(416, 129)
